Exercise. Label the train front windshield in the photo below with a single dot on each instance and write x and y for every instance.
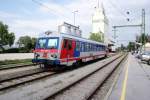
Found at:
(47, 43)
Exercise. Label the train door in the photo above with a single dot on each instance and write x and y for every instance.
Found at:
(71, 47)
(67, 52)
(63, 54)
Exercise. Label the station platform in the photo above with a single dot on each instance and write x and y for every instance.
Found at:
(133, 82)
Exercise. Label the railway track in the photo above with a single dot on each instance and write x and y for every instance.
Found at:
(86, 87)
(53, 85)
(4, 67)
(14, 66)
(8, 73)
(13, 82)
(18, 72)
(7, 77)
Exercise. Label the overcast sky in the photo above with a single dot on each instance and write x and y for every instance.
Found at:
(26, 17)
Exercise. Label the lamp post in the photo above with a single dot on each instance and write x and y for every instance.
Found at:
(74, 12)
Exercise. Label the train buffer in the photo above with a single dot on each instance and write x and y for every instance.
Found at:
(133, 82)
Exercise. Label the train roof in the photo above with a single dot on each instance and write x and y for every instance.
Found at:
(71, 36)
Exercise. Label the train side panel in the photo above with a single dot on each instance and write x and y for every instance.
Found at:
(69, 51)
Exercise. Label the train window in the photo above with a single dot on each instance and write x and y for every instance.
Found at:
(52, 43)
(87, 47)
(93, 47)
(77, 45)
(41, 43)
(80, 46)
(100, 48)
(90, 47)
(97, 46)
(69, 44)
(103, 48)
(83, 46)
(65, 43)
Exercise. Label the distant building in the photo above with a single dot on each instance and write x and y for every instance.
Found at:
(100, 23)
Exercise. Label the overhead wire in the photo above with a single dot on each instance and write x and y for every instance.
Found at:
(117, 9)
(59, 14)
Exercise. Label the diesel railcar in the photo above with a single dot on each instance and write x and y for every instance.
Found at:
(56, 49)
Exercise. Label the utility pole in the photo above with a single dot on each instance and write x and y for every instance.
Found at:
(143, 25)
(74, 13)
(98, 4)
(115, 36)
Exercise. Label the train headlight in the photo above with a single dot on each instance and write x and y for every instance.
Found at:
(36, 55)
(54, 55)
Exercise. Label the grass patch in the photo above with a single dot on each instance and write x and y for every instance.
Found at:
(7, 62)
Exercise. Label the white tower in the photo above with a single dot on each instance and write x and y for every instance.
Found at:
(100, 22)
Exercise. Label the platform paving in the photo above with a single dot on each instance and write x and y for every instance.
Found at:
(134, 81)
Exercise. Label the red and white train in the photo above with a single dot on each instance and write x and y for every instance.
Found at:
(54, 49)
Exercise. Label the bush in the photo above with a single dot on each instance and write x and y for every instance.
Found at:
(15, 61)
(12, 50)
(23, 50)
(16, 50)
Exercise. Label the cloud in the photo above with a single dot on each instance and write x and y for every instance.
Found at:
(32, 27)
(8, 15)
(49, 17)
(53, 8)
(82, 17)
(26, 11)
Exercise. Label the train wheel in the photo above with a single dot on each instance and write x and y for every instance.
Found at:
(105, 56)
(148, 62)
(58, 68)
(42, 66)
(77, 64)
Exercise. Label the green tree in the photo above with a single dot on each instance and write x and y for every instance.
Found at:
(131, 46)
(27, 43)
(11, 38)
(33, 42)
(122, 47)
(6, 38)
(96, 37)
(142, 39)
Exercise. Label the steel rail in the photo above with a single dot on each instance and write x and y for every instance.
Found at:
(81, 79)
